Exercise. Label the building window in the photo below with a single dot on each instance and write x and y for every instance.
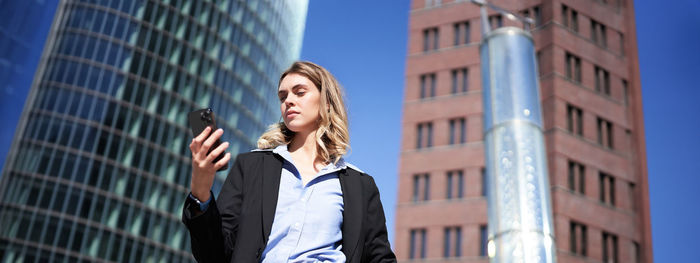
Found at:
(533, 13)
(628, 137)
(458, 133)
(426, 187)
(416, 188)
(574, 120)
(462, 33)
(576, 177)
(636, 252)
(433, 3)
(495, 21)
(484, 182)
(569, 18)
(419, 135)
(455, 184)
(452, 242)
(598, 33)
(625, 92)
(429, 139)
(602, 80)
(460, 80)
(421, 187)
(573, 67)
(484, 239)
(424, 137)
(610, 248)
(537, 15)
(538, 56)
(632, 194)
(622, 43)
(428, 84)
(565, 15)
(448, 193)
(605, 133)
(430, 39)
(578, 239)
(417, 245)
(606, 184)
(446, 243)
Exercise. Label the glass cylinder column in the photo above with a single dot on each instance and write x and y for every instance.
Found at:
(519, 207)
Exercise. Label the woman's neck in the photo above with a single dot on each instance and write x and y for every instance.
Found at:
(304, 145)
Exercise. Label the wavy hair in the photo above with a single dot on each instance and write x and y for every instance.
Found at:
(332, 136)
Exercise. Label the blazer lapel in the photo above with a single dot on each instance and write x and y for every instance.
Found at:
(271, 171)
(352, 212)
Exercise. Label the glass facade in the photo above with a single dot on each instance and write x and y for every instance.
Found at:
(100, 165)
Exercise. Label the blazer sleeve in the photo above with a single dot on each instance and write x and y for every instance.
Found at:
(213, 232)
(377, 247)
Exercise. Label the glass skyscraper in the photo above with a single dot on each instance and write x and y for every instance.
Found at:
(100, 165)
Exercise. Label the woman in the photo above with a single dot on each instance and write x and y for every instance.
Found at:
(294, 199)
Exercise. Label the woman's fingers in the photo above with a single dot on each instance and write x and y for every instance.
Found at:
(223, 161)
(204, 149)
(216, 152)
(203, 135)
(199, 139)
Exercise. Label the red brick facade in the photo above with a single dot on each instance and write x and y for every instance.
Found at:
(616, 211)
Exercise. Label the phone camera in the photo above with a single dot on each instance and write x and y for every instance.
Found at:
(206, 115)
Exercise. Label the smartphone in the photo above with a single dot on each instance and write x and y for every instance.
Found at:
(199, 120)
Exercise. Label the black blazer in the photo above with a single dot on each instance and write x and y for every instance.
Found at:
(235, 227)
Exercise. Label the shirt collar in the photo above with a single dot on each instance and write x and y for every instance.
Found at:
(283, 151)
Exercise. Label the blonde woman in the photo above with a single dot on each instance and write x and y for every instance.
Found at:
(294, 199)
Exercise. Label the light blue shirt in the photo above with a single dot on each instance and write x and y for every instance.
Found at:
(308, 219)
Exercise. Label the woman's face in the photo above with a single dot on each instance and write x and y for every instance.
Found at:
(300, 101)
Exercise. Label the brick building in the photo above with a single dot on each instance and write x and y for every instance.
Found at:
(593, 127)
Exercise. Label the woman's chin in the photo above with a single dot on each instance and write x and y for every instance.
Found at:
(297, 127)
(292, 126)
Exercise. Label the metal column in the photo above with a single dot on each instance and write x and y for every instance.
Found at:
(519, 207)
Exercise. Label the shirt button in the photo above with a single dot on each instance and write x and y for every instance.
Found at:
(303, 199)
(296, 225)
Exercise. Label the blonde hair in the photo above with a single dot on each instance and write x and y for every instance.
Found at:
(332, 136)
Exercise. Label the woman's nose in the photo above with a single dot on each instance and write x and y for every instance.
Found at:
(289, 101)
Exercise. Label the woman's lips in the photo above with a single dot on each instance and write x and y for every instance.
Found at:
(292, 114)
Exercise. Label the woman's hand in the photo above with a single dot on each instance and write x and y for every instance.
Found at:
(203, 166)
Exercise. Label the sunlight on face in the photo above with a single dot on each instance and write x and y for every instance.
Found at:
(300, 100)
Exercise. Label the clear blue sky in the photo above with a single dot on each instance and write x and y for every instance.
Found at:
(363, 43)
